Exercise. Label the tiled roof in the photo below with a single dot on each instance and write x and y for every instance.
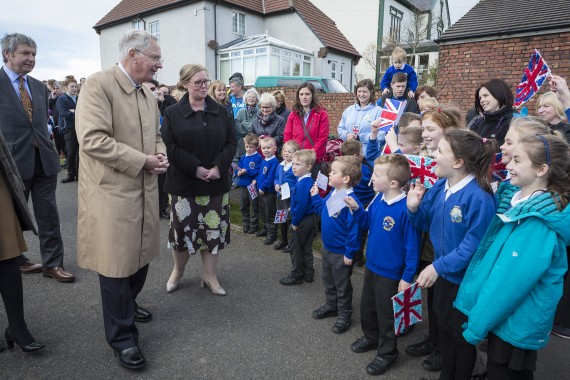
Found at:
(504, 17)
(323, 27)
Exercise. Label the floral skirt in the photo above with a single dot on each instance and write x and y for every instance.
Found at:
(200, 222)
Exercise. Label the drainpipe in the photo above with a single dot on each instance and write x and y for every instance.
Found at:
(379, 39)
(216, 39)
(142, 19)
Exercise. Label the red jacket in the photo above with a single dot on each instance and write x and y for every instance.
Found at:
(317, 126)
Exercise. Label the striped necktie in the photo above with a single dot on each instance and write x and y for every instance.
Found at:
(25, 98)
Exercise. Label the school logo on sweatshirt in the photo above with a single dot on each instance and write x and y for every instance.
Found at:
(388, 223)
(456, 215)
(252, 165)
(265, 170)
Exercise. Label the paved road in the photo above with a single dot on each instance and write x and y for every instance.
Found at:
(260, 330)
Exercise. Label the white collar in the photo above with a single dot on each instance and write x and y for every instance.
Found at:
(308, 175)
(128, 76)
(458, 186)
(252, 154)
(270, 158)
(285, 165)
(348, 191)
(516, 199)
(395, 199)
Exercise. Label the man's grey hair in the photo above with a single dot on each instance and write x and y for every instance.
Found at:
(134, 39)
(11, 41)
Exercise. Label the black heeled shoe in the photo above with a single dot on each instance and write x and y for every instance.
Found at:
(32, 347)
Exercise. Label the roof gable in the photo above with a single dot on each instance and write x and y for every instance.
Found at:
(490, 18)
(322, 26)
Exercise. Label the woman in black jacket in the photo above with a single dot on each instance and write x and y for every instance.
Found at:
(200, 142)
(494, 102)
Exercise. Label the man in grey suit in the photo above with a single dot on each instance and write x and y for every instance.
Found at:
(23, 121)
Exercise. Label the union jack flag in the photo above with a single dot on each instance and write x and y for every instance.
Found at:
(533, 77)
(281, 216)
(252, 191)
(407, 308)
(391, 113)
(423, 169)
(499, 170)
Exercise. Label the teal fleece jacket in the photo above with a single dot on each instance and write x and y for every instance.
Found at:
(514, 281)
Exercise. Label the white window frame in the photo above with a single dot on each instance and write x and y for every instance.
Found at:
(238, 23)
(334, 68)
(137, 24)
(396, 17)
(154, 29)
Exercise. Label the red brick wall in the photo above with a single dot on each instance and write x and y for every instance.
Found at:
(463, 67)
(335, 104)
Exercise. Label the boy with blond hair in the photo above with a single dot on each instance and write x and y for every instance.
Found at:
(340, 242)
(266, 189)
(247, 171)
(303, 222)
(399, 65)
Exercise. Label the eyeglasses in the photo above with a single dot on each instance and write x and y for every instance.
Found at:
(156, 60)
(200, 83)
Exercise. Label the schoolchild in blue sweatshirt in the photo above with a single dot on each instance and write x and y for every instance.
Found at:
(363, 190)
(303, 220)
(247, 171)
(285, 176)
(341, 239)
(392, 257)
(456, 210)
(266, 189)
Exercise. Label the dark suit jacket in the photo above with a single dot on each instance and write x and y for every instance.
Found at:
(19, 133)
(64, 104)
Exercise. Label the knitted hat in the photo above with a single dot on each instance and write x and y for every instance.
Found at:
(237, 78)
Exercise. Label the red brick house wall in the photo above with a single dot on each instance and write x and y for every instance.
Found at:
(465, 66)
(335, 104)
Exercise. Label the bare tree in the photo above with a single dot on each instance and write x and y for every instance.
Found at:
(370, 55)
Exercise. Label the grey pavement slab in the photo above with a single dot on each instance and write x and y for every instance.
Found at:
(260, 330)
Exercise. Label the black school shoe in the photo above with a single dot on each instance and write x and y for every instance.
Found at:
(380, 365)
(325, 311)
(291, 280)
(269, 240)
(433, 362)
(363, 345)
(280, 245)
(423, 348)
(261, 233)
(341, 325)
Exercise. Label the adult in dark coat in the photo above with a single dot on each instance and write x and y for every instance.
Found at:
(494, 102)
(65, 105)
(23, 121)
(14, 218)
(267, 122)
(398, 92)
(280, 106)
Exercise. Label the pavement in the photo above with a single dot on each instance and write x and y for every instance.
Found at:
(260, 330)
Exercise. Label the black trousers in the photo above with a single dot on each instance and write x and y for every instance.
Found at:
(42, 188)
(162, 195)
(336, 279)
(302, 248)
(249, 209)
(562, 316)
(12, 294)
(72, 153)
(59, 141)
(458, 357)
(118, 296)
(267, 209)
(377, 313)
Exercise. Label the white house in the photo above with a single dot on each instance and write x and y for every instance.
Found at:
(255, 37)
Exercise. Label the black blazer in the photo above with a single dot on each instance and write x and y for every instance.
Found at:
(20, 134)
(64, 104)
(196, 138)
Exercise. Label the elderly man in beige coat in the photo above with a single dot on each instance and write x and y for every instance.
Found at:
(121, 153)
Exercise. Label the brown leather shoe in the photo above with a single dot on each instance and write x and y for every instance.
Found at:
(59, 274)
(28, 267)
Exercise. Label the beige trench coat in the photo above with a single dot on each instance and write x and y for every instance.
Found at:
(118, 224)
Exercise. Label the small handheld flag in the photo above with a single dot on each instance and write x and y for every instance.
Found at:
(407, 308)
(391, 113)
(252, 191)
(423, 169)
(534, 76)
(281, 216)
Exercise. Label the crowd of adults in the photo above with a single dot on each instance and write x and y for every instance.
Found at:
(121, 133)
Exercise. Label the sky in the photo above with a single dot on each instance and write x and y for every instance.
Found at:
(67, 43)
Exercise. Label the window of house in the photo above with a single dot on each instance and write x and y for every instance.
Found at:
(341, 72)
(423, 66)
(238, 23)
(334, 73)
(154, 29)
(138, 24)
(439, 28)
(395, 23)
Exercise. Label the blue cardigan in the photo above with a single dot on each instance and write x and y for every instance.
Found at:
(515, 279)
(342, 233)
(456, 225)
(301, 205)
(266, 175)
(252, 164)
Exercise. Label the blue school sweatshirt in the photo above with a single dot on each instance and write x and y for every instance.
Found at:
(393, 248)
(285, 175)
(341, 233)
(266, 175)
(412, 83)
(251, 163)
(456, 225)
(301, 205)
